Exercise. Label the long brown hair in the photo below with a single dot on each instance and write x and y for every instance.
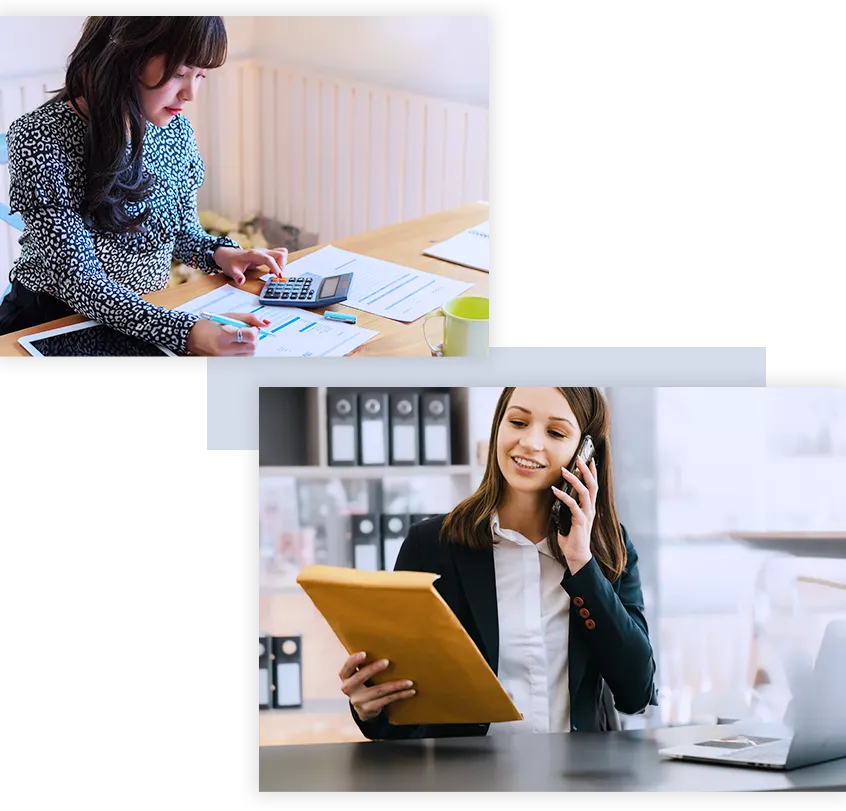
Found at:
(469, 523)
(104, 70)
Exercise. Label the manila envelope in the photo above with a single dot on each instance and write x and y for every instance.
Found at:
(399, 616)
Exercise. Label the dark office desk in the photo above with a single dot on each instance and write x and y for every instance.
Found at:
(616, 761)
(800, 544)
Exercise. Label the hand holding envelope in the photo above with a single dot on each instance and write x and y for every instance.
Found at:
(399, 617)
(369, 701)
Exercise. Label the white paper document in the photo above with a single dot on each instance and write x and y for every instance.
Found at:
(294, 332)
(380, 287)
(470, 248)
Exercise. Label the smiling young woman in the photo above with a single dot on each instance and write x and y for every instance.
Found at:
(105, 177)
(559, 618)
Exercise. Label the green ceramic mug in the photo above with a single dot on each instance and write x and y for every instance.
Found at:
(465, 327)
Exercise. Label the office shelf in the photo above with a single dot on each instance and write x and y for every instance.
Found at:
(293, 424)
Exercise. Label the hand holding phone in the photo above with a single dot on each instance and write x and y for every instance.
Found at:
(560, 514)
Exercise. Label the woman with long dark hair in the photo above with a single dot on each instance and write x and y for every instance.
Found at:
(559, 618)
(105, 177)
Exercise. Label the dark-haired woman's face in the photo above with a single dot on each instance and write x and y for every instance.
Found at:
(538, 435)
(161, 104)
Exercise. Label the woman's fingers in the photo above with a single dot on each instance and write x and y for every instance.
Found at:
(267, 258)
(281, 256)
(239, 340)
(351, 665)
(249, 318)
(575, 512)
(590, 480)
(368, 700)
(371, 706)
(356, 680)
(578, 485)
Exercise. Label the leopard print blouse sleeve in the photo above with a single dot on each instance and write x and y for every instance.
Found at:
(100, 274)
(193, 245)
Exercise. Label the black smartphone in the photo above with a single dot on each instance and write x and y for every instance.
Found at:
(560, 512)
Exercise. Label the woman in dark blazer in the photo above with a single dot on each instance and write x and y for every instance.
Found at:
(559, 618)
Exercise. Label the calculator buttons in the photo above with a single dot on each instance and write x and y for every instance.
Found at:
(298, 291)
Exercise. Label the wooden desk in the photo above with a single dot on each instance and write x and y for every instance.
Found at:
(403, 243)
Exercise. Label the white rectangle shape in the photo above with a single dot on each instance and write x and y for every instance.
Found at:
(470, 248)
(288, 684)
(404, 443)
(264, 687)
(373, 450)
(379, 287)
(366, 557)
(435, 444)
(392, 549)
(343, 443)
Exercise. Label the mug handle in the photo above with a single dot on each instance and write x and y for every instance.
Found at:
(437, 350)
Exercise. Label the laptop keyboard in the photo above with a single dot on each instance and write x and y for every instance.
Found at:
(770, 753)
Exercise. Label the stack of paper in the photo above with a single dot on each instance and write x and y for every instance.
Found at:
(470, 248)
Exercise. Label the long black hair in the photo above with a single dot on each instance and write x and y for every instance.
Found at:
(104, 71)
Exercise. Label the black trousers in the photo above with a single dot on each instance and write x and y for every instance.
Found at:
(22, 309)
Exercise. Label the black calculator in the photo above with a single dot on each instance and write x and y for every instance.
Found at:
(306, 291)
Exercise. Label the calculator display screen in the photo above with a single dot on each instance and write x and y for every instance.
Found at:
(329, 287)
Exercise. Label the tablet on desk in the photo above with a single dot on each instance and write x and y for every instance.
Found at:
(89, 339)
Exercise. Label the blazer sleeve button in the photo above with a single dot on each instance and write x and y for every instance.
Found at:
(590, 625)
(584, 613)
(578, 602)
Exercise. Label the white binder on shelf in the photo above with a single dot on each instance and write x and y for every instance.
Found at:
(435, 417)
(342, 414)
(287, 672)
(373, 427)
(365, 542)
(405, 422)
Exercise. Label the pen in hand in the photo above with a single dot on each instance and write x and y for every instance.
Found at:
(232, 322)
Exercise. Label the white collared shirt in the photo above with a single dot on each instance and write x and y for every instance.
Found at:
(534, 616)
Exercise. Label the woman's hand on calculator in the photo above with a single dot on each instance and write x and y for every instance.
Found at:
(235, 262)
(207, 338)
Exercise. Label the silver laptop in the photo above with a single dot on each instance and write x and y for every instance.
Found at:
(819, 727)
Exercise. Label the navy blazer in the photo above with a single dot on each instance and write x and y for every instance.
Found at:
(609, 647)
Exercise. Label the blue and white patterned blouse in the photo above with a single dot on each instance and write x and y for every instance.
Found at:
(102, 274)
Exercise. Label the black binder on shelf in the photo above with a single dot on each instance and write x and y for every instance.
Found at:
(365, 542)
(342, 415)
(265, 673)
(435, 433)
(405, 424)
(394, 530)
(287, 672)
(373, 428)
